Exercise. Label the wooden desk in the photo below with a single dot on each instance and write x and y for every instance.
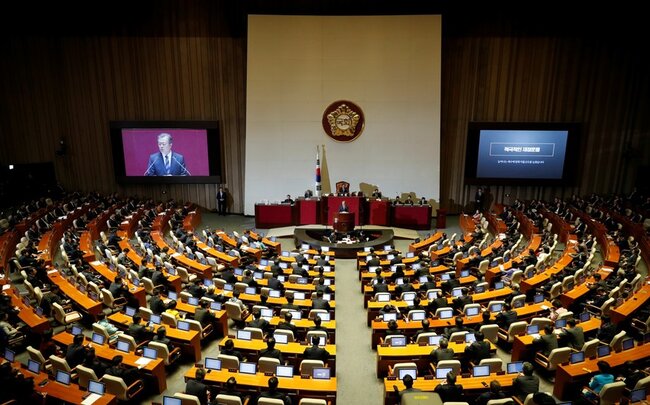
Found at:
(378, 212)
(522, 346)
(104, 271)
(37, 324)
(409, 328)
(188, 341)
(256, 253)
(221, 318)
(292, 351)
(72, 393)
(570, 376)
(192, 220)
(636, 301)
(534, 244)
(174, 281)
(300, 387)
(471, 385)
(389, 356)
(221, 257)
(304, 324)
(309, 211)
(83, 302)
(412, 216)
(202, 270)
(542, 278)
(274, 215)
(155, 369)
(424, 244)
(573, 295)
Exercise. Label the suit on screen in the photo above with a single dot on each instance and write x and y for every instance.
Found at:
(156, 165)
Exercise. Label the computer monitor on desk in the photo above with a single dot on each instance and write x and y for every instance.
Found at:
(515, 367)
(441, 372)
(403, 372)
(96, 387)
(481, 371)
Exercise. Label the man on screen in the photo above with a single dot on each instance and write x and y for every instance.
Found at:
(166, 162)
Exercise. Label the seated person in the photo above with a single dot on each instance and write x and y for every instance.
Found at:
(229, 350)
(443, 352)
(314, 352)
(118, 369)
(76, 352)
(161, 337)
(197, 387)
(408, 384)
(494, 393)
(525, 383)
(271, 351)
(449, 391)
(274, 393)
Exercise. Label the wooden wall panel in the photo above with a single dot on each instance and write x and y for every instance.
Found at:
(173, 62)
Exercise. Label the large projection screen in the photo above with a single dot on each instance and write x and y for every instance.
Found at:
(298, 65)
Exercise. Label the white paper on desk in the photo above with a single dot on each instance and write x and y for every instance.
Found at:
(52, 271)
(142, 361)
(544, 307)
(90, 399)
(96, 263)
(176, 254)
(607, 269)
(5, 287)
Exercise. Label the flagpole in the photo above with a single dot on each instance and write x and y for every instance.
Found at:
(317, 185)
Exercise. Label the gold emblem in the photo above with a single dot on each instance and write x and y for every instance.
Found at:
(343, 121)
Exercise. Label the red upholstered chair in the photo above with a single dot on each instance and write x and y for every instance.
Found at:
(342, 188)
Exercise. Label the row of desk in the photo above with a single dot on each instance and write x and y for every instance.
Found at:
(321, 211)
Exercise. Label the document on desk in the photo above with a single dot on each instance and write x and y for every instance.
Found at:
(90, 399)
(544, 307)
(142, 361)
(96, 263)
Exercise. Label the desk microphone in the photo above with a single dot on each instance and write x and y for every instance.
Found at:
(151, 165)
(182, 165)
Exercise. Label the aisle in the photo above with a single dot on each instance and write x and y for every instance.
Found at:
(357, 381)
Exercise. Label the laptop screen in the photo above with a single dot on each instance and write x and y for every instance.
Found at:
(410, 254)
(212, 363)
(299, 296)
(441, 372)
(496, 307)
(283, 265)
(577, 357)
(247, 368)
(445, 277)
(481, 371)
(39, 311)
(150, 353)
(538, 298)
(325, 316)
(63, 377)
(532, 329)
(388, 247)
(96, 387)
(264, 262)
(280, 338)
(321, 373)
(274, 293)
(479, 289)
(304, 246)
(171, 401)
(457, 292)
(498, 285)
(244, 334)
(638, 395)
(122, 346)
(469, 338)
(518, 304)
(172, 295)
(76, 330)
(266, 313)
(418, 316)
(585, 316)
(239, 272)
(435, 340)
(215, 306)
(34, 366)
(97, 338)
(193, 301)
(464, 273)
(403, 372)
(284, 371)
(296, 315)
(398, 341)
(628, 344)
(155, 319)
(604, 351)
(472, 311)
(560, 323)
(228, 287)
(516, 367)
(130, 311)
(399, 281)
(9, 355)
(409, 296)
(446, 314)
(183, 325)
(250, 291)
(391, 316)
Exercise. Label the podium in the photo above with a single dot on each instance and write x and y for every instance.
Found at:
(343, 221)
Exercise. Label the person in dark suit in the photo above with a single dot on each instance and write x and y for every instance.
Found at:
(438, 302)
(76, 351)
(441, 353)
(319, 302)
(478, 350)
(138, 331)
(286, 324)
(222, 197)
(525, 383)
(290, 305)
(229, 350)
(314, 352)
(271, 351)
(117, 369)
(460, 302)
(161, 337)
(374, 261)
(203, 315)
(165, 162)
(573, 335)
(274, 393)
(450, 391)
(317, 325)
(425, 329)
(546, 342)
(506, 317)
(458, 327)
(380, 286)
(258, 321)
(408, 384)
(197, 388)
(156, 304)
(494, 393)
(344, 207)
(478, 199)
